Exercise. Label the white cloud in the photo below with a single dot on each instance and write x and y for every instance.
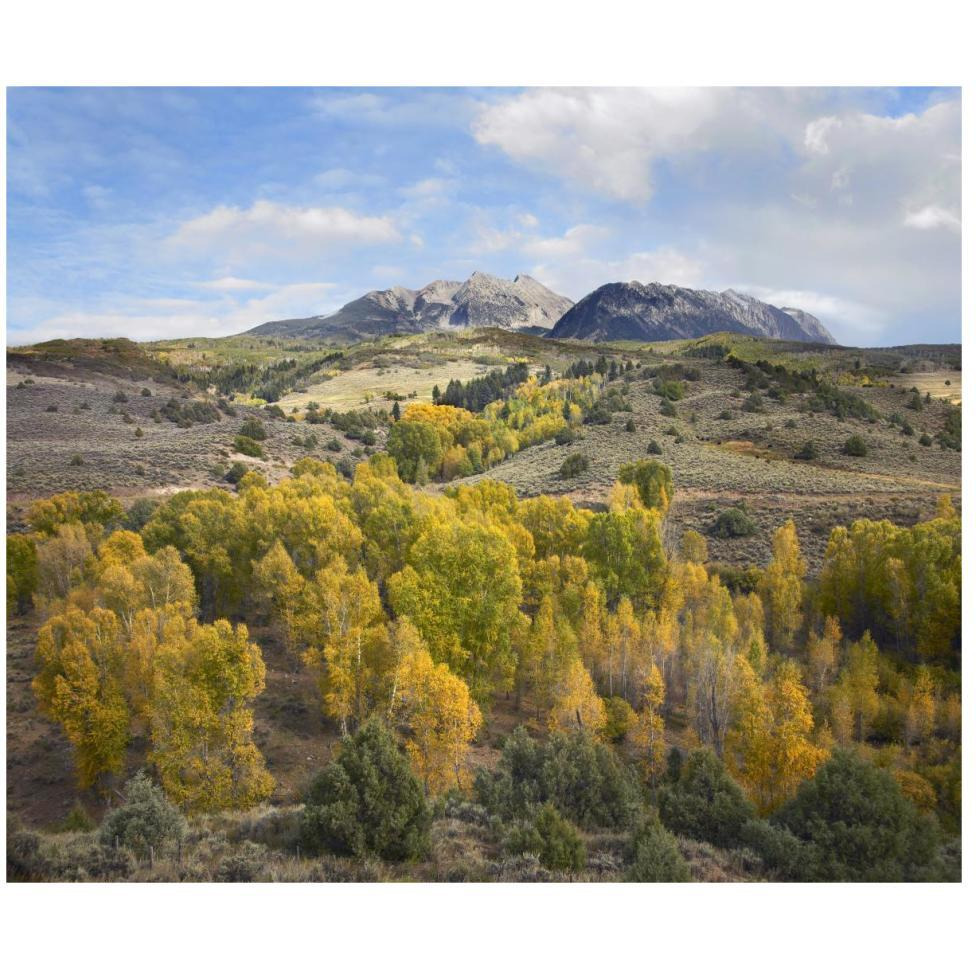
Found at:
(575, 241)
(602, 138)
(226, 315)
(578, 276)
(234, 284)
(816, 132)
(932, 217)
(868, 323)
(233, 234)
(608, 139)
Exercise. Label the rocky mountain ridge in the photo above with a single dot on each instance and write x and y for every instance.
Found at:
(482, 300)
(656, 312)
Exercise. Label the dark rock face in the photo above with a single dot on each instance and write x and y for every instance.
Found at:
(655, 312)
(482, 301)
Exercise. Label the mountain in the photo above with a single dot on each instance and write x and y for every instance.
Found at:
(482, 300)
(654, 312)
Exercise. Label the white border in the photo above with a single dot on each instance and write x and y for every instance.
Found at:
(474, 929)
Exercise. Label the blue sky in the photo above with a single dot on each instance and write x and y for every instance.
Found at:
(173, 212)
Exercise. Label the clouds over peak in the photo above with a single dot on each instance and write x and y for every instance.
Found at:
(233, 234)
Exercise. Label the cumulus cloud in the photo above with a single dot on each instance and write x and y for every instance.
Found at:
(603, 138)
(233, 233)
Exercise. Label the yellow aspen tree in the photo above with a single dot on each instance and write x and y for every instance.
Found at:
(60, 561)
(920, 714)
(841, 715)
(592, 629)
(79, 685)
(859, 681)
(782, 587)
(794, 757)
(751, 640)
(166, 581)
(545, 656)
(694, 547)
(202, 724)
(347, 610)
(577, 705)
(822, 654)
(622, 649)
(442, 718)
(280, 589)
(647, 735)
(772, 739)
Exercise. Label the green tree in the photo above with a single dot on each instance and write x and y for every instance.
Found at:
(655, 855)
(21, 572)
(367, 801)
(705, 802)
(858, 826)
(147, 823)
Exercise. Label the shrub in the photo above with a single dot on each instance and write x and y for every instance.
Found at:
(145, 391)
(253, 429)
(790, 424)
(574, 465)
(51, 408)
(139, 432)
(654, 448)
(780, 851)
(581, 777)
(147, 820)
(753, 403)
(655, 856)
(705, 803)
(562, 847)
(808, 452)
(243, 865)
(854, 446)
(925, 440)
(552, 839)
(669, 389)
(725, 415)
(120, 397)
(245, 445)
(566, 435)
(77, 820)
(630, 426)
(368, 801)
(76, 461)
(333, 445)
(733, 523)
(237, 471)
(859, 826)
(139, 513)
(668, 409)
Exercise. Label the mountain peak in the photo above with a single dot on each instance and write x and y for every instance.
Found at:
(655, 312)
(482, 300)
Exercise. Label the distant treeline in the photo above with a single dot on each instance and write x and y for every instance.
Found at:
(268, 382)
